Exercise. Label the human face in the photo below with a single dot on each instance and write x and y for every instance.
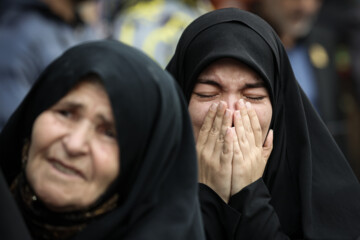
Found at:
(73, 154)
(291, 17)
(229, 80)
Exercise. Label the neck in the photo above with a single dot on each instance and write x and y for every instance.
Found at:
(62, 8)
(46, 224)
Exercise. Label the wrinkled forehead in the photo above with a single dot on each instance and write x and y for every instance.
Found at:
(230, 40)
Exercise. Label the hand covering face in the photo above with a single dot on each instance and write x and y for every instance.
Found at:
(312, 190)
(157, 184)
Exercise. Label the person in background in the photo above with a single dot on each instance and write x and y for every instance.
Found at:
(312, 50)
(32, 34)
(100, 148)
(268, 166)
(153, 26)
(344, 18)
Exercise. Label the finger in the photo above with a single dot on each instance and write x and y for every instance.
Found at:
(227, 150)
(237, 167)
(226, 123)
(241, 133)
(246, 121)
(206, 127)
(237, 154)
(255, 125)
(268, 145)
(213, 135)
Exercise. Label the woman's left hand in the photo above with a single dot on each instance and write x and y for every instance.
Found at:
(250, 155)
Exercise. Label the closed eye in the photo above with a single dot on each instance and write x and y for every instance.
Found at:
(255, 98)
(205, 95)
(107, 130)
(65, 113)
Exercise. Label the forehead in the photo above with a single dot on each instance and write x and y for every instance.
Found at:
(226, 69)
(88, 88)
(88, 95)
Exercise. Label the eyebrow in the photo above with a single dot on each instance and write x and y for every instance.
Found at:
(259, 84)
(75, 105)
(209, 82)
(71, 104)
(106, 121)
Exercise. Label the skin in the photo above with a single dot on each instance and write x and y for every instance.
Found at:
(292, 19)
(76, 134)
(65, 9)
(231, 112)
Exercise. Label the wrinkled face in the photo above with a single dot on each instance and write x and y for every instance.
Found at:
(229, 80)
(73, 154)
(294, 17)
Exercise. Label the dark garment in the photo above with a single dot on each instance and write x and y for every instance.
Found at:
(308, 189)
(326, 94)
(157, 186)
(31, 36)
(12, 225)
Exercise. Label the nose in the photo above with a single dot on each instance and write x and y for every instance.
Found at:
(231, 100)
(76, 141)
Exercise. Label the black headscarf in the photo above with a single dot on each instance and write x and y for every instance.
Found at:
(157, 184)
(314, 192)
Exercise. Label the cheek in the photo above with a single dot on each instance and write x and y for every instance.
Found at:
(197, 113)
(264, 113)
(45, 131)
(106, 164)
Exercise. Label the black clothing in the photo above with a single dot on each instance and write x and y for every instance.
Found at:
(157, 183)
(308, 189)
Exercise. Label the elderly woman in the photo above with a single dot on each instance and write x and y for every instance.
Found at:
(101, 148)
(268, 167)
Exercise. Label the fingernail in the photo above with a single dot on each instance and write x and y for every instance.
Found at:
(248, 105)
(221, 104)
(227, 113)
(237, 114)
(228, 131)
(242, 104)
(213, 106)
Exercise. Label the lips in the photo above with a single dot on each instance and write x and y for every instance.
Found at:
(68, 170)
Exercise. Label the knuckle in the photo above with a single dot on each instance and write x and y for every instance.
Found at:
(204, 128)
(226, 151)
(221, 138)
(237, 151)
(204, 155)
(257, 128)
(214, 130)
(243, 139)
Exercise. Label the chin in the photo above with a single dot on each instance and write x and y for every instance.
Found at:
(56, 200)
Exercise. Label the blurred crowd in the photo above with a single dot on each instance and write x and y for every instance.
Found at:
(321, 38)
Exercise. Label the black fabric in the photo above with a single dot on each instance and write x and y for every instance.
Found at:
(313, 191)
(12, 224)
(157, 183)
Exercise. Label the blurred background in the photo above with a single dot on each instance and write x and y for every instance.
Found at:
(321, 37)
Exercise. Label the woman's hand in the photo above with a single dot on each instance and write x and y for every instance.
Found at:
(250, 156)
(214, 148)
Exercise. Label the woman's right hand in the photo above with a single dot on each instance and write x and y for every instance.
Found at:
(214, 148)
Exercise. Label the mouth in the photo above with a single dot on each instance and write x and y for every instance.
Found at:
(65, 169)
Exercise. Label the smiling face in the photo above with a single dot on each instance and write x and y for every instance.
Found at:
(229, 80)
(74, 154)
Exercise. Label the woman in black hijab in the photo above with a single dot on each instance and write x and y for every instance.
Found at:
(149, 191)
(307, 189)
